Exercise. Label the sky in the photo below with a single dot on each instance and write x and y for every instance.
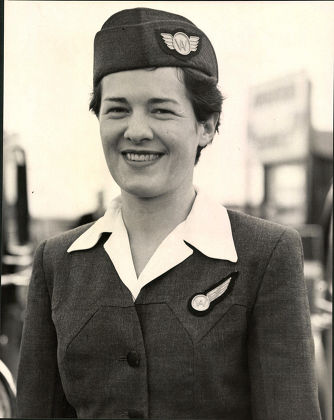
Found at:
(48, 80)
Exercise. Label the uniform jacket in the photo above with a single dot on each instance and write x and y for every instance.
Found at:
(89, 351)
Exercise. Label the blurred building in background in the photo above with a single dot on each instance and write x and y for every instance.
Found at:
(298, 178)
(297, 159)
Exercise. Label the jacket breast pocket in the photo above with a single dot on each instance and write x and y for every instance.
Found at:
(226, 339)
(219, 349)
(94, 352)
(100, 334)
(224, 321)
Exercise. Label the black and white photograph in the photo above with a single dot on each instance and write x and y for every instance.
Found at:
(167, 210)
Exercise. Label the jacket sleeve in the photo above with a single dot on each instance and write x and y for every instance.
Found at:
(39, 388)
(280, 342)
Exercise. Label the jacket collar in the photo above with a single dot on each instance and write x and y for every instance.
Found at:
(207, 228)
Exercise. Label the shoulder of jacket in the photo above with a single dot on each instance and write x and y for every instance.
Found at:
(58, 244)
(246, 227)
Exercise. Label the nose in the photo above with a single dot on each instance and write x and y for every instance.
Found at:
(138, 128)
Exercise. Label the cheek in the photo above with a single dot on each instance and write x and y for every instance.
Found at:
(183, 138)
(189, 146)
(105, 144)
(108, 137)
(184, 157)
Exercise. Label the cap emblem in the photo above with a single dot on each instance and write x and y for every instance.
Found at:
(181, 42)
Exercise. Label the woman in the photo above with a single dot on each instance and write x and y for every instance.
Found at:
(169, 306)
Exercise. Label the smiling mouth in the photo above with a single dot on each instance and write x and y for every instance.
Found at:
(141, 157)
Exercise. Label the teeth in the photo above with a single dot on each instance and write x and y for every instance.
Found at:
(141, 157)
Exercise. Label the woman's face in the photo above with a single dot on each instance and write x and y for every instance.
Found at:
(149, 131)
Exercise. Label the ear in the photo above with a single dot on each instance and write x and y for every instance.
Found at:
(208, 129)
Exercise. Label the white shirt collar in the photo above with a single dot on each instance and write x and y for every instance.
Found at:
(207, 228)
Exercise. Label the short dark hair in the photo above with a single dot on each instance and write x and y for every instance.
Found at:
(202, 92)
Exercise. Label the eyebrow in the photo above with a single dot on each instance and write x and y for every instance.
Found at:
(153, 101)
(111, 99)
(162, 100)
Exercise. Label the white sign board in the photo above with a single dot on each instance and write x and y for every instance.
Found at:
(279, 119)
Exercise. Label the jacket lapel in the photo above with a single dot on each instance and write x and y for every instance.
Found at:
(99, 281)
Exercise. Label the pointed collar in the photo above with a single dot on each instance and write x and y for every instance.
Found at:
(207, 228)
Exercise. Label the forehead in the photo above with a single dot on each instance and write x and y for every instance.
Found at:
(145, 83)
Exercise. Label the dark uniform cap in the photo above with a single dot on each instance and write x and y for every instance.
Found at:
(142, 37)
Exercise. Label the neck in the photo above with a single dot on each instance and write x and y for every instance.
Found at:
(156, 216)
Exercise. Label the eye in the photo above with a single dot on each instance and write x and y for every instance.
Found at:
(163, 112)
(117, 111)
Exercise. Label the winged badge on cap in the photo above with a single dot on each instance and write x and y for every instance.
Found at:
(181, 42)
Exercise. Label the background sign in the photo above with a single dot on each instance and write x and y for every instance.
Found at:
(279, 119)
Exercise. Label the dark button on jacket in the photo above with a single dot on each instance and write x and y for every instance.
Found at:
(89, 351)
(133, 359)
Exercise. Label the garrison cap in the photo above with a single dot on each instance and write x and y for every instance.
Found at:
(142, 37)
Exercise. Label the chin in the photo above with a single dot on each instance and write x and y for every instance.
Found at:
(143, 191)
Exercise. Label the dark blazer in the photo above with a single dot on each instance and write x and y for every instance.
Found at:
(89, 351)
